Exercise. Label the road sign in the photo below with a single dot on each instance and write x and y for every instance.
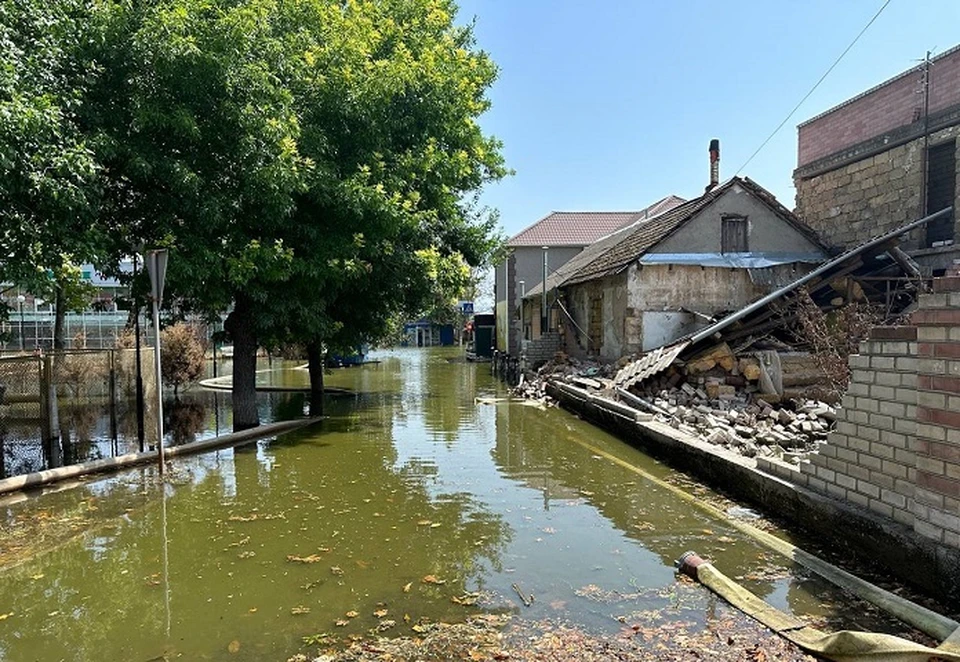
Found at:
(466, 307)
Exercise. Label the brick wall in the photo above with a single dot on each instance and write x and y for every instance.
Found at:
(884, 108)
(869, 459)
(896, 448)
(937, 499)
(539, 351)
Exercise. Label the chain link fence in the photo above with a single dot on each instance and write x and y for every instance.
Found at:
(66, 407)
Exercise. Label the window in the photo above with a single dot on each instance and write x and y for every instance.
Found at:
(86, 275)
(941, 189)
(733, 234)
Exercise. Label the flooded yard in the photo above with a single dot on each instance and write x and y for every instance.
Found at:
(427, 497)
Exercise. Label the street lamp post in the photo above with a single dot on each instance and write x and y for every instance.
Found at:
(543, 296)
(20, 300)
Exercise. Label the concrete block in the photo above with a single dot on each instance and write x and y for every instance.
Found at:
(881, 508)
(881, 450)
(881, 421)
(883, 392)
(903, 515)
(868, 433)
(836, 491)
(846, 481)
(893, 498)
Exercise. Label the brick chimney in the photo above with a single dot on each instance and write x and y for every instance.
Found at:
(714, 165)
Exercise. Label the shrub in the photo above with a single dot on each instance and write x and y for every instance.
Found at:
(181, 356)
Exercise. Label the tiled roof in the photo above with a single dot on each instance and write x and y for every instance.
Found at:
(580, 228)
(612, 253)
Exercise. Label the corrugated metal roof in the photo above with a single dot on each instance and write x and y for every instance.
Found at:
(581, 228)
(651, 363)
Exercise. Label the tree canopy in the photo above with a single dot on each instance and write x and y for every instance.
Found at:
(312, 165)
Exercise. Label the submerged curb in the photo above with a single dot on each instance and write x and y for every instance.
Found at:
(41, 478)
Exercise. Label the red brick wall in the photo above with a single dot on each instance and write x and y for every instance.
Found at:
(890, 105)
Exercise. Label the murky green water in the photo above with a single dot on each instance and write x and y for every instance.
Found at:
(407, 496)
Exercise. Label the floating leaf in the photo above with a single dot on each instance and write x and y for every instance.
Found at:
(252, 610)
(435, 525)
(233, 647)
(433, 579)
(337, 570)
(341, 622)
(4, 617)
(380, 613)
(300, 609)
(424, 522)
(407, 587)
(37, 576)
(352, 614)
(313, 558)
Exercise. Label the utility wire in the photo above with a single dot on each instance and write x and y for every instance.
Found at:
(814, 88)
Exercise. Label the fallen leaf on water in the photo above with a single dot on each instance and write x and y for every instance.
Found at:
(406, 618)
(352, 614)
(341, 622)
(363, 565)
(435, 525)
(467, 599)
(424, 522)
(433, 579)
(313, 558)
(4, 617)
(407, 587)
(53, 613)
(380, 613)
(233, 647)
(337, 570)
(37, 576)
(707, 532)
(300, 609)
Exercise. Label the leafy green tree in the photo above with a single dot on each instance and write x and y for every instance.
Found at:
(389, 94)
(199, 136)
(49, 183)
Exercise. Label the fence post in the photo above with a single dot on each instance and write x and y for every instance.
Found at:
(49, 414)
(112, 387)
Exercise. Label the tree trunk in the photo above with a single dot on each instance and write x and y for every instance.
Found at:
(315, 358)
(60, 316)
(239, 324)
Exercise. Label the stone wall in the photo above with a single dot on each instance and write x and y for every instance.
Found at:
(867, 197)
(896, 449)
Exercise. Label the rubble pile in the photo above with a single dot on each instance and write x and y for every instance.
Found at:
(585, 373)
(788, 431)
(764, 404)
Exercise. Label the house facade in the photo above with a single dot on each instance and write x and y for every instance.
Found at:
(547, 245)
(884, 158)
(661, 278)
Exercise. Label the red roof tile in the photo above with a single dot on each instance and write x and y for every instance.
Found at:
(580, 228)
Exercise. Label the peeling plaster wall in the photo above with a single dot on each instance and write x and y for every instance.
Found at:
(613, 292)
(767, 231)
(655, 293)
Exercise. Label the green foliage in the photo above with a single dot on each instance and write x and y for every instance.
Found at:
(314, 163)
(48, 171)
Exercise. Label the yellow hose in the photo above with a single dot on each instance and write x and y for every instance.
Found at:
(843, 646)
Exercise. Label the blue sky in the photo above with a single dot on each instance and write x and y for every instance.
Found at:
(610, 104)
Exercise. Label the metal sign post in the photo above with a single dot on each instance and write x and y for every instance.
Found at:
(156, 263)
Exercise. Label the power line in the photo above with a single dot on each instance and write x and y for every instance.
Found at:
(814, 88)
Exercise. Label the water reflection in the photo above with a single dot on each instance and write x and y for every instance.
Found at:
(245, 551)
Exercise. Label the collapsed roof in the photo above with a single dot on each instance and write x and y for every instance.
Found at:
(873, 265)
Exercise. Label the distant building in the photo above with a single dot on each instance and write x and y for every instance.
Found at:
(554, 239)
(886, 157)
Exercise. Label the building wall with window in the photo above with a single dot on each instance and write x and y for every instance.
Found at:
(878, 161)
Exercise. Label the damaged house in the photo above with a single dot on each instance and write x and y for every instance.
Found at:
(661, 278)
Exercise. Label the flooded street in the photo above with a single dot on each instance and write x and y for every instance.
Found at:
(427, 497)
